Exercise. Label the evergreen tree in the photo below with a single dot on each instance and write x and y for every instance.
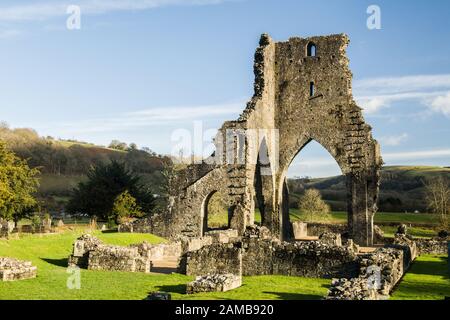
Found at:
(105, 183)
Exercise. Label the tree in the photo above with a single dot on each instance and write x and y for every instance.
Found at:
(118, 145)
(105, 182)
(125, 207)
(312, 205)
(18, 183)
(437, 195)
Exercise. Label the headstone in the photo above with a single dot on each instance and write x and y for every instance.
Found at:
(78, 248)
(103, 228)
(60, 223)
(47, 224)
(300, 229)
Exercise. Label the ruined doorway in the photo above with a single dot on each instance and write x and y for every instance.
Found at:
(216, 214)
(315, 189)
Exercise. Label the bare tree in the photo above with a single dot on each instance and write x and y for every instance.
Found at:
(438, 198)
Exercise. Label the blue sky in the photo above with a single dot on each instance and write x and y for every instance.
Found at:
(138, 70)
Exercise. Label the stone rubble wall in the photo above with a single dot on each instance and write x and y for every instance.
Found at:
(379, 272)
(115, 258)
(89, 252)
(432, 246)
(214, 259)
(12, 269)
(306, 258)
(222, 236)
(214, 283)
(258, 254)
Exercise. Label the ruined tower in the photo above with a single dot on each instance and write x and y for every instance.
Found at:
(302, 93)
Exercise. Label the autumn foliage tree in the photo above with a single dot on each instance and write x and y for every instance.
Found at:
(18, 183)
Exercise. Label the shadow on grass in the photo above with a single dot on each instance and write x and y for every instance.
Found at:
(177, 288)
(57, 262)
(295, 296)
(435, 268)
(110, 231)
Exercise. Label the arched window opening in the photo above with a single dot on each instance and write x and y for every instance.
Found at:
(311, 50)
(312, 89)
(215, 212)
(262, 184)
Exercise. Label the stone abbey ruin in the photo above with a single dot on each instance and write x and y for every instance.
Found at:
(302, 93)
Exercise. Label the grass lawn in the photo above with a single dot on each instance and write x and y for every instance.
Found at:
(428, 279)
(49, 253)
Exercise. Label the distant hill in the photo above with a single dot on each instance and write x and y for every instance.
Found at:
(401, 189)
(64, 163)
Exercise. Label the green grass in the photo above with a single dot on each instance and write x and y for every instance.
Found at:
(49, 253)
(428, 279)
(381, 218)
(341, 217)
(417, 232)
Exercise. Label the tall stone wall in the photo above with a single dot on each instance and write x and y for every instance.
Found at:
(283, 116)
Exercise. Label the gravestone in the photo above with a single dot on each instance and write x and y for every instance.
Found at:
(300, 229)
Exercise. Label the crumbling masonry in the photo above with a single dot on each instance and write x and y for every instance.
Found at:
(302, 93)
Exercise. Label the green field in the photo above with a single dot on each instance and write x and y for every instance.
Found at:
(428, 279)
(49, 253)
(420, 224)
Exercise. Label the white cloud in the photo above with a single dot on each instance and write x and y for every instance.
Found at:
(413, 155)
(441, 104)
(386, 85)
(9, 33)
(394, 140)
(150, 118)
(51, 9)
(374, 94)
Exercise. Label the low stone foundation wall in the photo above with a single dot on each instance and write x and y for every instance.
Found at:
(222, 236)
(89, 252)
(115, 258)
(214, 283)
(259, 254)
(316, 229)
(379, 272)
(312, 259)
(432, 246)
(154, 224)
(12, 269)
(214, 259)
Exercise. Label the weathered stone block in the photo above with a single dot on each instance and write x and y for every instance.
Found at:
(12, 269)
(215, 282)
